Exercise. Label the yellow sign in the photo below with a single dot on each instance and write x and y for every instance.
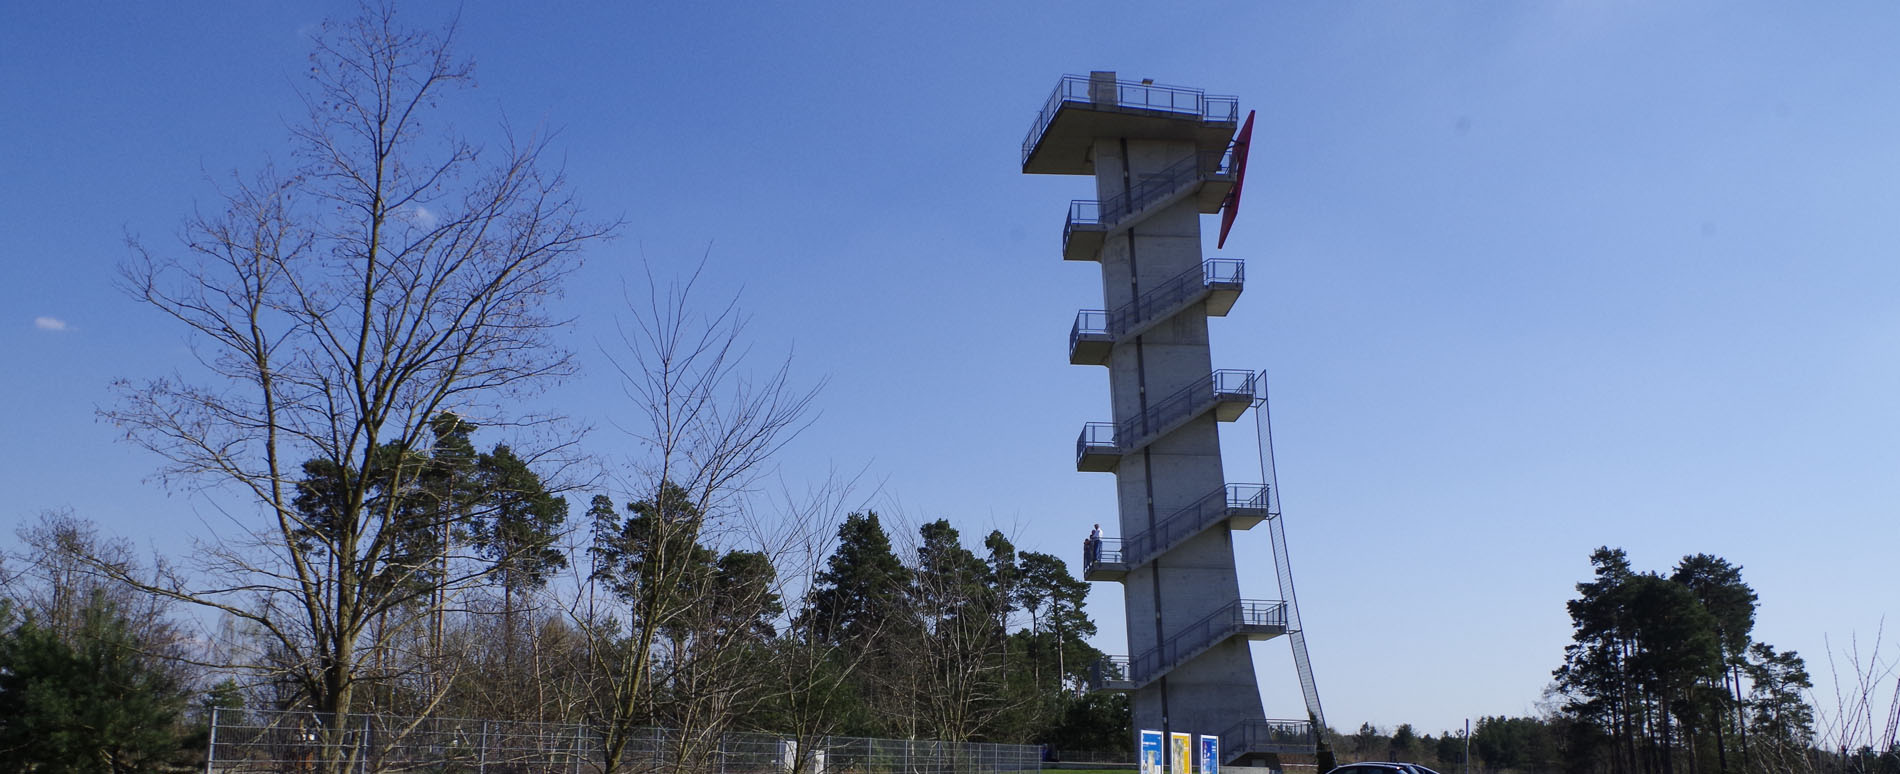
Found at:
(1182, 748)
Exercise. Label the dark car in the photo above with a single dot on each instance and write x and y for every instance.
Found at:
(1381, 767)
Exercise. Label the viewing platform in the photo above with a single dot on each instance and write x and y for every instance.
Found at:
(1226, 393)
(1083, 108)
(1095, 333)
(1110, 673)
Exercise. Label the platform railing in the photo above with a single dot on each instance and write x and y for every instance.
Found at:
(1096, 435)
(1268, 736)
(1088, 322)
(1159, 300)
(1232, 618)
(1082, 213)
(1101, 551)
(1108, 673)
(1129, 96)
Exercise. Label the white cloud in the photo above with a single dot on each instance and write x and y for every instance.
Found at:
(422, 216)
(49, 323)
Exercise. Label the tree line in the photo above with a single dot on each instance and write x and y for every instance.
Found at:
(1663, 675)
(664, 628)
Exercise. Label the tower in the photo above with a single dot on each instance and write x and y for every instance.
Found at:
(1162, 157)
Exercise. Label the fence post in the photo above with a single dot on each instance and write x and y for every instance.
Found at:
(211, 745)
(481, 752)
(362, 747)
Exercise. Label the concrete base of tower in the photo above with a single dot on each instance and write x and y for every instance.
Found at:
(1199, 697)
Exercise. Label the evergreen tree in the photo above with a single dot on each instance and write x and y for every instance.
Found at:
(1523, 744)
(516, 521)
(860, 592)
(1718, 585)
(1055, 602)
(1648, 668)
(1405, 744)
(1595, 675)
(958, 652)
(1003, 576)
(1780, 718)
(97, 702)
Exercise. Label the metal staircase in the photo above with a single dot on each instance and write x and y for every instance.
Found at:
(1227, 393)
(1254, 619)
(1208, 177)
(1217, 283)
(1237, 506)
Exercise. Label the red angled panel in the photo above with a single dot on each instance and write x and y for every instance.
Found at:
(1232, 205)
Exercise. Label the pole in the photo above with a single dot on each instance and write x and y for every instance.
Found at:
(481, 753)
(211, 745)
(1466, 768)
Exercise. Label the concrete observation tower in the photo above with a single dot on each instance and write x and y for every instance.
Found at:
(1162, 157)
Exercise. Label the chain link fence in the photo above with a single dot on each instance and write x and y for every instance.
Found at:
(254, 742)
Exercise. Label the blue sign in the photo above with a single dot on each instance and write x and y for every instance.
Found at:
(1150, 752)
(1210, 754)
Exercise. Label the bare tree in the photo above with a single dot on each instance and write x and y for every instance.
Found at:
(398, 274)
(709, 431)
(58, 582)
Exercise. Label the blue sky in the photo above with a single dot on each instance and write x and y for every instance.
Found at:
(1527, 278)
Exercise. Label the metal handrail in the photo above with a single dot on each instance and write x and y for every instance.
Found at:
(1088, 322)
(1262, 735)
(1129, 96)
(1107, 669)
(1097, 434)
(1082, 212)
(1141, 547)
(1188, 401)
(1149, 189)
(1226, 383)
(1163, 298)
(1230, 619)
(1106, 213)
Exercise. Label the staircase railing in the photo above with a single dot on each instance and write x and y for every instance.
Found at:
(1162, 299)
(1267, 736)
(1142, 547)
(1232, 618)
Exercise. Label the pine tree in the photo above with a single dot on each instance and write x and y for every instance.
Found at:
(860, 593)
(515, 525)
(1718, 585)
(94, 702)
(1779, 714)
